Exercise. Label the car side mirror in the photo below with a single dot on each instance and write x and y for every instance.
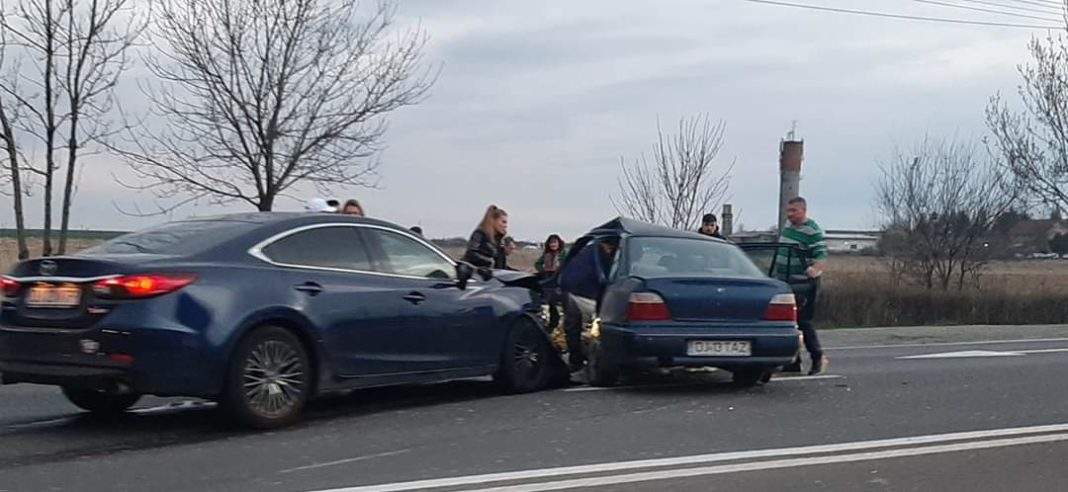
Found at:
(464, 272)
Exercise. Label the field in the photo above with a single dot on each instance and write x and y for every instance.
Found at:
(858, 292)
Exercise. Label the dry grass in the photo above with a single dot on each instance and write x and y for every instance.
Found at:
(9, 253)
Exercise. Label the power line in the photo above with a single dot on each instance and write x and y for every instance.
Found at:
(1054, 10)
(899, 16)
(981, 9)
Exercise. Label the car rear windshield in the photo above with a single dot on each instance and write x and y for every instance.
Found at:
(654, 257)
(184, 237)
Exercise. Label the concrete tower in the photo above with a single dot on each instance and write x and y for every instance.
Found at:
(791, 153)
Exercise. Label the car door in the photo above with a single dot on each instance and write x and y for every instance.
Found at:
(329, 270)
(443, 327)
(776, 258)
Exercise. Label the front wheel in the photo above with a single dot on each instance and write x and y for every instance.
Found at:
(269, 379)
(100, 402)
(526, 361)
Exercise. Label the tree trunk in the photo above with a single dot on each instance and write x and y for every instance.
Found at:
(16, 182)
(266, 203)
(50, 127)
(68, 186)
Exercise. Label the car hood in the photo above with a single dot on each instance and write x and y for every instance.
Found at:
(517, 279)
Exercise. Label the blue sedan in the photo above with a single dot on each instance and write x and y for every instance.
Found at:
(262, 312)
(678, 299)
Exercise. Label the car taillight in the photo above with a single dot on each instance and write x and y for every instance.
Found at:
(141, 286)
(647, 306)
(783, 307)
(10, 287)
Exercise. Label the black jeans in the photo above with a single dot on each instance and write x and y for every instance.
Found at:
(576, 310)
(806, 313)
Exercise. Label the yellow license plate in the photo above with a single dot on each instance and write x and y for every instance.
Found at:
(54, 296)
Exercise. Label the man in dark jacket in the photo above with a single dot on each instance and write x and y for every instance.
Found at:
(710, 227)
(581, 280)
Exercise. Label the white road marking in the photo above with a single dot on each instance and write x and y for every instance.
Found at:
(701, 459)
(983, 353)
(963, 355)
(947, 344)
(344, 461)
(174, 407)
(773, 465)
(1043, 351)
(695, 383)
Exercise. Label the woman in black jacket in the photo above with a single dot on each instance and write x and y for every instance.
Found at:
(486, 249)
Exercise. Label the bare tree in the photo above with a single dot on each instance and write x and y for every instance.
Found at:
(682, 182)
(255, 96)
(11, 153)
(76, 52)
(939, 203)
(1032, 142)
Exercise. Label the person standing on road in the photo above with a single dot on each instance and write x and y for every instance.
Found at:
(581, 281)
(547, 265)
(710, 227)
(485, 248)
(803, 231)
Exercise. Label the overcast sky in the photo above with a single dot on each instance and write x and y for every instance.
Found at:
(538, 101)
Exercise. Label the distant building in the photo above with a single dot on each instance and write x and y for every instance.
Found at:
(852, 241)
(1034, 236)
(838, 241)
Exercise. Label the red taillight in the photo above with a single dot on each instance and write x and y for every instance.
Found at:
(647, 306)
(783, 307)
(10, 287)
(140, 286)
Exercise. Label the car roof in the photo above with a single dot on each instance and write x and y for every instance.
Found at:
(623, 226)
(287, 220)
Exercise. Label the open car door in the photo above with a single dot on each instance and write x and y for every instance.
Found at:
(775, 258)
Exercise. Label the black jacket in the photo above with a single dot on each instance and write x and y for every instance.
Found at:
(486, 252)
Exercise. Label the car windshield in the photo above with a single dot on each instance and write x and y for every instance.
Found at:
(656, 257)
(184, 237)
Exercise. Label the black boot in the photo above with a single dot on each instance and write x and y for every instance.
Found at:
(819, 364)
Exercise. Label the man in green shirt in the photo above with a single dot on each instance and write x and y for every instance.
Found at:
(804, 232)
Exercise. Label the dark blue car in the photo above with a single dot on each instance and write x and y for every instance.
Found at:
(673, 298)
(262, 312)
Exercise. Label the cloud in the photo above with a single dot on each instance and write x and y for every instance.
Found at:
(538, 101)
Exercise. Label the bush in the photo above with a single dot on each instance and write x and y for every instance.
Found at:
(858, 304)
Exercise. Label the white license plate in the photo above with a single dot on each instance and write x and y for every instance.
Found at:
(718, 348)
(54, 296)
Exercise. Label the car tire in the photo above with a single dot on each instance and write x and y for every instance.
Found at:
(526, 360)
(269, 379)
(600, 372)
(100, 402)
(748, 378)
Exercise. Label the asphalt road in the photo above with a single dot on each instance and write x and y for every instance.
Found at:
(904, 409)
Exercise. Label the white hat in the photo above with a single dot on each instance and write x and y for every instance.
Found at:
(318, 205)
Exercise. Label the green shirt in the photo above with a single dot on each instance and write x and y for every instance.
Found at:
(810, 237)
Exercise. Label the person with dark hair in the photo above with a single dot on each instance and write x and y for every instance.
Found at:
(485, 248)
(581, 281)
(806, 233)
(710, 227)
(547, 265)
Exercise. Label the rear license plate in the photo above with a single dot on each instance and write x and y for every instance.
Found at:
(54, 296)
(718, 348)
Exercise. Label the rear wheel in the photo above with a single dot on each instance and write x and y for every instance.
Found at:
(269, 379)
(101, 402)
(600, 372)
(747, 378)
